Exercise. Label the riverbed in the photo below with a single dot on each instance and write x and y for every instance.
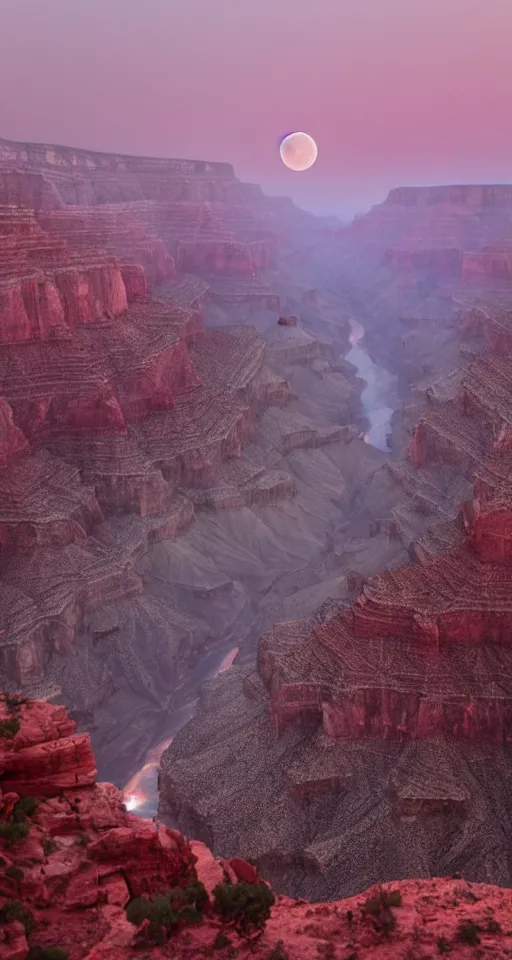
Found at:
(380, 385)
(141, 792)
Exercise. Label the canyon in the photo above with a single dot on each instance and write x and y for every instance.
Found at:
(173, 396)
(255, 525)
(370, 739)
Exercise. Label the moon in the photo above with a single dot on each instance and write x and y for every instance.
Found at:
(298, 151)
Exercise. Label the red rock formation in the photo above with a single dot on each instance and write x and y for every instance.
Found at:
(12, 439)
(81, 858)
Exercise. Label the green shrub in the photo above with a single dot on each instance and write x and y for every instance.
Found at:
(278, 952)
(179, 907)
(14, 703)
(27, 805)
(245, 906)
(493, 926)
(384, 901)
(49, 847)
(138, 910)
(442, 945)
(14, 873)
(193, 895)
(220, 941)
(373, 906)
(392, 898)
(9, 728)
(468, 932)
(15, 910)
(47, 953)
(13, 831)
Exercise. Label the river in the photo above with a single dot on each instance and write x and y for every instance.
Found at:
(141, 792)
(379, 385)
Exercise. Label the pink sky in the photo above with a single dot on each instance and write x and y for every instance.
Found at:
(393, 91)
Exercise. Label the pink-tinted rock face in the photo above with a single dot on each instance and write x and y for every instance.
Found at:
(225, 258)
(134, 279)
(444, 262)
(46, 755)
(38, 308)
(12, 439)
(487, 265)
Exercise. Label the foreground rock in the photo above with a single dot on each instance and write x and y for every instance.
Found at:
(73, 860)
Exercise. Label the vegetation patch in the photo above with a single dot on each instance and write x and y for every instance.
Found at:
(49, 847)
(379, 907)
(468, 932)
(10, 727)
(176, 909)
(16, 910)
(47, 953)
(278, 952)
(244, 906)
(13, 831)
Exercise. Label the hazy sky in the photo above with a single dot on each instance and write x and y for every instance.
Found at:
(394, 91)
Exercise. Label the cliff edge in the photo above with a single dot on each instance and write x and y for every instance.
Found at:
(74, 863)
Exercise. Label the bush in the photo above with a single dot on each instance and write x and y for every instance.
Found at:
(220, 941)
(14, 873)
(278, 952)
(49, 846)
(245, 906)
(27, 805)
(384, 901)
(179, 907)
(9, 728)
(442, 945)
(392, 898)
(15, 910)
(13, 831)
(373, 906)
(468, 933)
(13, 703)
(47, 953)
(194, 895)
(493, 926)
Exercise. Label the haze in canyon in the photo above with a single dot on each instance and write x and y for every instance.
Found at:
(255, 478)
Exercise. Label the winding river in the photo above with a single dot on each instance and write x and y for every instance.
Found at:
(141, 793)
(379, 387)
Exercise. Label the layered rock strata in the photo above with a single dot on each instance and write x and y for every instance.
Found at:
(154, 488)
(362, 722)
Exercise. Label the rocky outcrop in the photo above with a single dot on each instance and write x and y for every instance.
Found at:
(73, 860)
